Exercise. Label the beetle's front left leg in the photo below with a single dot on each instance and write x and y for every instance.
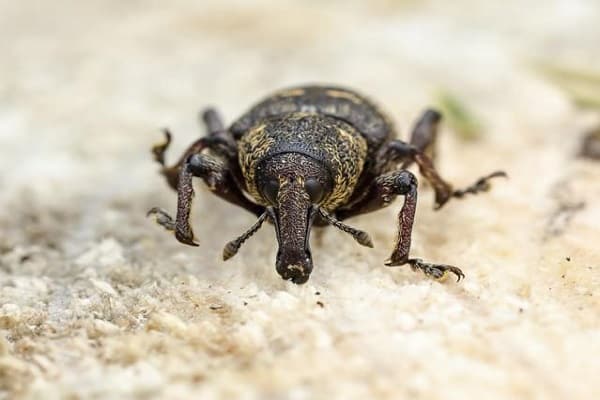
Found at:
(381, 193)
(219, 180)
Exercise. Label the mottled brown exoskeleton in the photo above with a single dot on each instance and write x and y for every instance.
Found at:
(309, 156)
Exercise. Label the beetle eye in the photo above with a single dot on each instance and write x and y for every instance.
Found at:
(314, 189)
(270, 190)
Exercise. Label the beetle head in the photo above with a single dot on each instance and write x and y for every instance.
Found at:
(294, 185)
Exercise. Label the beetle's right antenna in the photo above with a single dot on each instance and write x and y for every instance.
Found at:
(232, 247)
(361, 237)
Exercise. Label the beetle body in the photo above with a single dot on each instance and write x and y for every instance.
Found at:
(335, 144)
(310, 155)
(337, 126)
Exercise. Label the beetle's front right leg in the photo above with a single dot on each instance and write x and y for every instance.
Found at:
(219, 180)
(381, 193)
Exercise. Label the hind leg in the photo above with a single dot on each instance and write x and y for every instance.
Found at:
(425, 132)
(217, 139)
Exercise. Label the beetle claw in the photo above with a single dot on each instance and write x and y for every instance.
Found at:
(186, 238)
(436, 271)
(159, 149)
(481, 185)
(162, 218)
(166, 221)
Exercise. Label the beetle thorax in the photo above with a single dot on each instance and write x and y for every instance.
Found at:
(318, 141)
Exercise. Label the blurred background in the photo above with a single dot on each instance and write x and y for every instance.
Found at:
(98, 302)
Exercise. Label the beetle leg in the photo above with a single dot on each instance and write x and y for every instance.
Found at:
(213, 122)
(424, 133)
(420, 151)
(185, 194)
(443, 190)
(159, 149)
(219, 180)
(422, 141)
(171, 173)
(218, 139)
(436, 271)
(381, 193)
(162, 218)
(398, 151)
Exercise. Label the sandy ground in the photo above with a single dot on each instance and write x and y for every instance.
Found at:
(98, 302)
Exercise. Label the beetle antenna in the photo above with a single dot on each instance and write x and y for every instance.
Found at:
(232, 247)
(361, 237)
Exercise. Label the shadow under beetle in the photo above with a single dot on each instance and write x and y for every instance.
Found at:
(307, 156)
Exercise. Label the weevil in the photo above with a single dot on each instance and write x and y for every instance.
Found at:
(311, 156)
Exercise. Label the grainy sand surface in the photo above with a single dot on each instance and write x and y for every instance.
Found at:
(96, 302)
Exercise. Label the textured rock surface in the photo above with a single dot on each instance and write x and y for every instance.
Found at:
(97, 302)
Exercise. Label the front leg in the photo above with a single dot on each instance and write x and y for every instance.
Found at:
(381, 193)
(219, 180)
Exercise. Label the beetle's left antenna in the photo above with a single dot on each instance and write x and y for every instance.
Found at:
(232, 247)
(361, 237)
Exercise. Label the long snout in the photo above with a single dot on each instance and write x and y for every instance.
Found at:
(293, 222)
